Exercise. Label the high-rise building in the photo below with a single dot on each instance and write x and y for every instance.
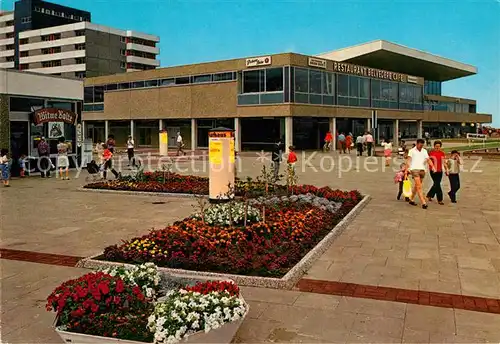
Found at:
(43, 37)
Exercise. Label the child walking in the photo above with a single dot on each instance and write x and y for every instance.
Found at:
(62, 159)
(400, 177)
(454, 163)
(4, 166)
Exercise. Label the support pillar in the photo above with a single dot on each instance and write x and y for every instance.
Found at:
(368, 124)
(288, 132)
(237, 134)
(396, 132)
(160, 124)
(84, 132)
(194, 134)
(419, 129)
(106, 130)
(332, 126)
(132, 129)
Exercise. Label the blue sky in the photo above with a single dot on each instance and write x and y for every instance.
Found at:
(196, 31)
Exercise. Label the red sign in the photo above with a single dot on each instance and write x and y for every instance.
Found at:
(54, 115)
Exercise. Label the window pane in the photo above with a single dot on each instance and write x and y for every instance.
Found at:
(287, 85)
(138, 84)
(98, 94)
(328, 83)
(315, 99)
(364, 102)
(111, 87)
(223, 76)
(88, 95)
(353, 86)
(375, 89)
(301, 98)
(315, 82)
(385, 90)
(167, 82)
(124, 86)
(342, 101)
(328, 100)
(394, 91)
(248, 99)
(274, 79)
(151, 83)
(364, 88)
(202, 78)
(252, 82)
(271, 98)
(353, 101)
(418, 94)
(301, 80)
(342, 85)
(182, 80)
(25, 104)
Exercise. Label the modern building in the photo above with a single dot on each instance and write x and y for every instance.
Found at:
(34, 105)
(389, 89)
(47, 38)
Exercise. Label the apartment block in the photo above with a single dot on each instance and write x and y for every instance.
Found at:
(48, 38)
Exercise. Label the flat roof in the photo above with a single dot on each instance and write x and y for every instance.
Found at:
(398, 58)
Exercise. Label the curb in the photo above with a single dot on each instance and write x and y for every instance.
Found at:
(288, 281)
(140, 193)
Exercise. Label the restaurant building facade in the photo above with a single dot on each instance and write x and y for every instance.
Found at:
(391, 90)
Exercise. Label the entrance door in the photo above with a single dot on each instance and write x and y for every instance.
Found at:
(19, 143)
(172, 135)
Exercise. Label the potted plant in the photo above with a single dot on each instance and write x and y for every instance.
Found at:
(128, 305)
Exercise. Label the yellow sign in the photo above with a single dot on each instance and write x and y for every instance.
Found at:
(164, 138)
(215, 151)
(231, 151)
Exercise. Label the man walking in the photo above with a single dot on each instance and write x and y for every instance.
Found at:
(359, 144)
(44, 156)
(369, 142)
(342, 142)
(276, 158)
(417, 158)
(438, 159)
(180, 144)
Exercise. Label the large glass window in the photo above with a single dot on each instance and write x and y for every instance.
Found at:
(25, 104)
(328, 82)
(301, 80)
(410, 97)
(252, 81)
(343, 85)
(315, 82)
(353, 90)
(384, 94)
(88, 95)
(274, 80)
(202, 78)
(98, 94)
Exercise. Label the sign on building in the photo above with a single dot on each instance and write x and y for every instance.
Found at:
(258, 61)
(318, 63)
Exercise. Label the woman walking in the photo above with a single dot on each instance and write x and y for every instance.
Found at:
(438, 159)
(62, 159)
(130, 151)
(348, 143)
(387, 144)
(453, 164)
(4, 166)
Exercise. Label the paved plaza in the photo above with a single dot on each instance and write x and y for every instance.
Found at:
(452, 249)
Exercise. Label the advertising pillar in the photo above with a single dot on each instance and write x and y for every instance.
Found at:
(163, 143)
(221, 159)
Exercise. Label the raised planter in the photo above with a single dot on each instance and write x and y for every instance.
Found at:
(223, 335)
(288, 281)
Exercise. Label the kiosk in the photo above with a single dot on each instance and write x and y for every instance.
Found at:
(221, 157)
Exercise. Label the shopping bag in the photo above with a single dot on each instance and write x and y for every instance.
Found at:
(406, 188)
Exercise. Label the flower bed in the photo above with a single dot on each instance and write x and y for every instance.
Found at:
(111, 303)
(220, 239)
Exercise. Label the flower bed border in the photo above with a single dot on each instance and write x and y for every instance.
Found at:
(286, 282)
(141, 193)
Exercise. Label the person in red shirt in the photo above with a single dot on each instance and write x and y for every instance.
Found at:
(292, 157)
(438, 158)
(328, 141)
(107, 158)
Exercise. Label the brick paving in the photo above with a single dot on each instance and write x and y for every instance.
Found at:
(438, 255)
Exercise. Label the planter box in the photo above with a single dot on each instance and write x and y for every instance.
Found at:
(223, 335)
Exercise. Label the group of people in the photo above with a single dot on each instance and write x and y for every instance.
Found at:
(415, 166)
(277, 157)
(346, 143)
(105, 152)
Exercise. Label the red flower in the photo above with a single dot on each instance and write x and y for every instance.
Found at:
(103, 288)
(119, 286)
(94, 308)
(117, 300)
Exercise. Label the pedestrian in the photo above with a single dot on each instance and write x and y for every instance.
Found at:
(98, 150)
(453, 164)
(107, 157)
(62, 159)
(402, 149)
(359, 144)
(111, 143)
(438, 159)
(417, 159)
(427, 138)
(180, 144)
(44, 158)
(276, 158)
(348, 143)
(4, 166)
(22, 165)
(328, 142)
(342, 142)
(292, 160)
(387, 144)
(369, 143)
(400, 177)
(130, 151)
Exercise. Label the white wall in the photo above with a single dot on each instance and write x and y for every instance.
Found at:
(28, 84)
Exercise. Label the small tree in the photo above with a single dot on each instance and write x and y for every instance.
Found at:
(202, 205)
(167, 170)
(291, 178)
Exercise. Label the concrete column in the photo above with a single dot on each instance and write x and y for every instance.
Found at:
(237, 134)
(332, 125)
(420, 133)
(160, 125)
(396, 132)
(288, 132)
(84, 134)
(132, 129)
(194, 134)
(106, 129)
(368, 124)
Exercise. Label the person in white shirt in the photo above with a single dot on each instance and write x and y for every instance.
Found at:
(360, 140)
(417, 159)
(180, 144)
(130, 150)
(387, 144)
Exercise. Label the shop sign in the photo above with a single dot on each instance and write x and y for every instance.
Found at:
(412, 79)
(348, 68)
(221, 134)
(56, 130)
(318, 63)
(54, 115)
(258, 61)
(79, 135)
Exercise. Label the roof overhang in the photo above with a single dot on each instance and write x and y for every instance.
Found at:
(397, 58)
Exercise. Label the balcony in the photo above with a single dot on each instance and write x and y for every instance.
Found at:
(144, 48)
(52, 44)
(60, 69)
(50, 57)
(142, 60)
(6, 29)
(6, 53)
(6, 41)
(7, 64)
